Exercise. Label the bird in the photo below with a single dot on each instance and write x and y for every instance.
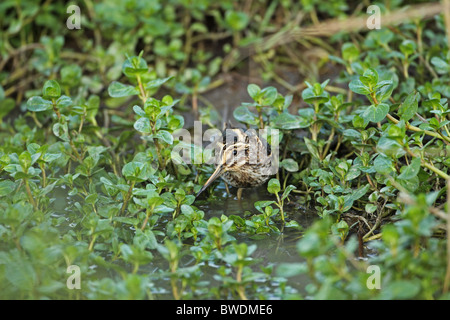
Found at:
(242, 160)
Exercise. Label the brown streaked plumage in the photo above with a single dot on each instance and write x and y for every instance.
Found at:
(243, 160)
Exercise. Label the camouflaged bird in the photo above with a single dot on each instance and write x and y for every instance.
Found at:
(242, 159)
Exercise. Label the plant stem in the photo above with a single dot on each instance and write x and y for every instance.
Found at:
(195, 104)
(328, 144)
(72, 145)
(370, 181)
(405, 70)
(149, 213)
(127, 198)
(261, 122)
(91, 245)
(435, 170)
(157, 146)
(416, 129)
(430, 166)
(44, 177)
(280, 205)
(30, 196)
(240, 289)
(173, 284)
(374, 97)
(143, 95)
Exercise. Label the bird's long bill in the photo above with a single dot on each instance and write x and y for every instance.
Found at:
(214, 176)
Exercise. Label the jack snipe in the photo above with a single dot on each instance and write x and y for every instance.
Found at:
(243, 160)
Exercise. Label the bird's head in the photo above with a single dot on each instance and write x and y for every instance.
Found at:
(235, 150)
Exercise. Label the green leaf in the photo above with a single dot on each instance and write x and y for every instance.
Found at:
(352, 134)
(307, 114)
(63, 101)
(273, 186)
(410, 184)
(442, 67)
(25, 160)
(260, 205)
(61, 131)
(411, 171)
(236, 20)
(145, 239)
(91, 199)
(384, 90)
(351, 198)
(370, 208)
(401, 290)
(353, 173)
(287, 191)
(156, 83)
(312, 148)
(6, 106)
(287, 121)
(50, 157)
(164, 136)
(355, 195)
(134, 66)
(359, 122)
(138, 110)
(117, 90)
(409, 107)
(358, 87)
(390, 147)
(267, 96)
(383, 164)
(135, 254)
(369, 78)
(407, 47)
(137, 171)
(132, 169)
(290, 269)
(290, 165)
(309, 245)
(143, 125)
(375, 113)
(340, 228)
(19, 272)
(243, 114)
(315, 93)
(38, 104)
(287, 100)
(6, 187)
(253, 90)
(350, 52)
(156, 201)
(71, 75)
(51, 89)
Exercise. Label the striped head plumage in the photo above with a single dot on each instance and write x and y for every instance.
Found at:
(242, 159)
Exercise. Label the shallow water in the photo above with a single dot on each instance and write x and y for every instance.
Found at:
(272, 248)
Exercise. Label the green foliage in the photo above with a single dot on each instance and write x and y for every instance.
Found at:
(88, 131)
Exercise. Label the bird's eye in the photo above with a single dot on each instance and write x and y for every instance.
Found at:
(235, 153)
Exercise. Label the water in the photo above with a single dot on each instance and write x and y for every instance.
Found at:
(273, 248)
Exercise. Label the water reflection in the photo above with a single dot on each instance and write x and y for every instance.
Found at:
(272, 248)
